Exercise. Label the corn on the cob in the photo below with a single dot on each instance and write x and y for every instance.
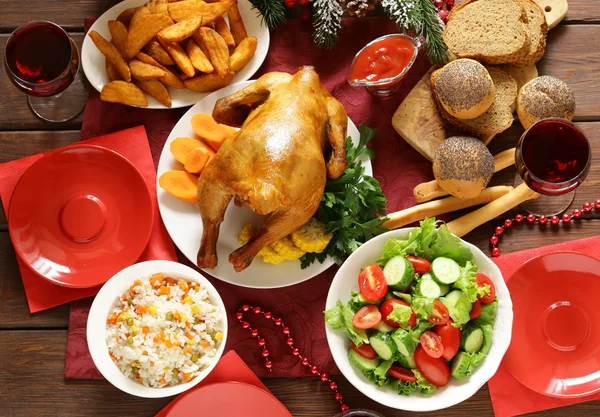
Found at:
(312, 237)
(270, 256)
(246, 233)
(286, 248)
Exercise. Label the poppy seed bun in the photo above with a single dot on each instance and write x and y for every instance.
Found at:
(463, 166)
(545, 97)
(464, 88)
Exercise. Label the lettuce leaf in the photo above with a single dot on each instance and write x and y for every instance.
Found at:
(467, 283)
(419, 243)
(421, 327)
(339, 317)
(450, 246)
(401, 315)
(470, 361)
(401, 387)
(487, 315)
(380, 373)
(459, 309)
(425, 387)
(422, 306)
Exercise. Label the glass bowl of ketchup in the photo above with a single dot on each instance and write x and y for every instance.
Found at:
(382, 63)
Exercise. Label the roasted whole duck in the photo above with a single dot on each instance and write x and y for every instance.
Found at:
(292, 136)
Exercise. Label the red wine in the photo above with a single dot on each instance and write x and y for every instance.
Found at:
(553, 151)
(41, 53)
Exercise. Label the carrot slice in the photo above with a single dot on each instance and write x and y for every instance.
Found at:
(211, 132)
(181, 147)
(197, 160)
(181, 184)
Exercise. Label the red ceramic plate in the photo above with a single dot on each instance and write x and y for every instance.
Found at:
(228, 399)
(79, 215)
(555, 347)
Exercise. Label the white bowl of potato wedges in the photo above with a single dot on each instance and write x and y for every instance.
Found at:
(160, 54)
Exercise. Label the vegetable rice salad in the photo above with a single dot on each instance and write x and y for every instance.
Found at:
(163, 331)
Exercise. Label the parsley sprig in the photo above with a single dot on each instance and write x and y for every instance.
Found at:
(352, 206)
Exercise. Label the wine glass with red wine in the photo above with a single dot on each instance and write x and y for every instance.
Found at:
(43, 61)
(553, 158)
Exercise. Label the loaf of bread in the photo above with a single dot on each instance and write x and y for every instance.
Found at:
(490, 31)
(463, 166)
(537, 29)
(464, 88)
(545, 97)
(498, 117)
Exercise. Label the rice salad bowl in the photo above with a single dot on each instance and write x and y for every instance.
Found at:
(156, 329)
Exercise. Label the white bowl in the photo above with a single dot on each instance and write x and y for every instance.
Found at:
(103, 303)
(455, 392)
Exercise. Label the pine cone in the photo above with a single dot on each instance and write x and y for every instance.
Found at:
(360, 8)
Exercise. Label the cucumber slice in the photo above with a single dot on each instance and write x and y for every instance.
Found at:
(407, 361)
(429, 289)
(472, 339)
(403, 296)
(383, 345)
(453, 296)
(382, 327)
(426, 275)
(444, 289)
(460, 365)
(362, 363)
(445, 270)
(399, 273)
(404, 342)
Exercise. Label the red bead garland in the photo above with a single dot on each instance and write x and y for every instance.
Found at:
(257, 310)
(566, 218)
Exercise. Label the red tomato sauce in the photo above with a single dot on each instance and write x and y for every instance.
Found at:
(383, 59)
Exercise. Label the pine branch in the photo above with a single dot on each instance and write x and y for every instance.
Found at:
(431, 29)
(272, 11)
(327, 22)
(405, 13)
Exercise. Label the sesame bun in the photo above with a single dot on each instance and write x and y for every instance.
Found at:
(545, 97)
(464, 88)
(463, 166)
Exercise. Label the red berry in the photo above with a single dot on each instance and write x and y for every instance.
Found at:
(239, 315)
(268, 364)
(577, 213)
(439, 3)
(257, 310)
(324, 377)
(245, 325)
(494, 240)
(495, 252)
(443, 14)
(554, 220)
(262, 342)
(304, 14)
(543, 219)
(345, 407)
(333, 385)
(290, 3)
(305, 361)
(278, 322)
(290, 341)
(597, 204)
(566, 218)
(303, 2)
(530, 218)
(587, 206)
(314, 369)
(286, 330)
(245, 307)
(450, 2)
(254, 333)
(508, 223)
(339, 396)
(499, 230)
(518, 218)
(268, 315)
(296, 352)
(265, 353)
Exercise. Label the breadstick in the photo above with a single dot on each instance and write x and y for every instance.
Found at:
(429, 190)
(445, 205)
(468, 222)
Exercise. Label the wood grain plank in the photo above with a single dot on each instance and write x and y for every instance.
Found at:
(14, 312)
(16, 114)
(69, 14)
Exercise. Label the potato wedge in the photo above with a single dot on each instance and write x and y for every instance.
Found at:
(222, 29)
(111, 54)
(142, 71)
(112, 72)
(155, 89)
(118, 33)
(237, 27)
(126, 15)
(199, 60)
(180, 57)
(158, 6)
(139, 13)
(185, 9)
(208, 82)
(144, 30)
(124, 93)
(180, 31)
(243, 53)
(215, 48)
(170, 79)
(156, 51)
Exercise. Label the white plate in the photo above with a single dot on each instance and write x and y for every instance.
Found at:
(94, 63)
(104, 302)
(184, 224)
(456, 391)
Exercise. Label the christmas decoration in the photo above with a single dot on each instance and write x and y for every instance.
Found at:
(272, 12)
(327, 22)
(359, 8)
(262, 343)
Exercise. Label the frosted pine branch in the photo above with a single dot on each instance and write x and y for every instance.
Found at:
(402, 12)
(327, 22)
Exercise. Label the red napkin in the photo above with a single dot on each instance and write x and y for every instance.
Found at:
(509, 396)
(230, 368)
(397, 166)
(133, 145)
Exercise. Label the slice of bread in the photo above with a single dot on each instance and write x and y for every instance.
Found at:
(489, 31)
(499, 116)
(537, 29)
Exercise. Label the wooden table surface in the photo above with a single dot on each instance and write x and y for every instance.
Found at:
(32, 347)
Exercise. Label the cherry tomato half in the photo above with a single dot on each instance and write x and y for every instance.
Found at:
(422, 266)
(372, 283)
(440, 314)
(481, 281)
(402, 374)
(367, 317)
(476, 310)
(451, 337)
(388, 306)
(432, 344)
(434, 370)
(365, 350)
